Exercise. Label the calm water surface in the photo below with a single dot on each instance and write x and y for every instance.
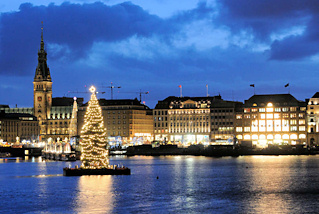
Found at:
(185, 184)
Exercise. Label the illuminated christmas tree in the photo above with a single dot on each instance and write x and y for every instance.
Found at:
(94, 139)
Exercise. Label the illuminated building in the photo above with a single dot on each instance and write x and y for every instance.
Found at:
(23, 126)
(222, 122)
(313, 120)
(59, 120)
(272, 119)
(126, 120)
(192, 120)
(54, 114)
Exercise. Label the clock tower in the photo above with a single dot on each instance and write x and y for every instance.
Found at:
(42, 89)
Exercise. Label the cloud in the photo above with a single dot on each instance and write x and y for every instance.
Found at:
(74, 27)
(266, 18)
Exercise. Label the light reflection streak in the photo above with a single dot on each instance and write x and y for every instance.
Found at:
(269, 181)
(95, 194)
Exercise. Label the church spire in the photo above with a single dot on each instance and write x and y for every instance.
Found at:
(42, 72)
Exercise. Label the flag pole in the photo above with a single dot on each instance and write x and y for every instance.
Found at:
(207, 90)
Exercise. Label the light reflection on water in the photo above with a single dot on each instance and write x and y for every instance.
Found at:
(170, 184)
(95, 194)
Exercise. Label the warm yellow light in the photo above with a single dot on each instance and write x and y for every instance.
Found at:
(92, 89)
(269, 105)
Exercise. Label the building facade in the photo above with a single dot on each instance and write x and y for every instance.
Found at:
(18, 127)
(127, 121)
(313, 120)
(42, 90)
(192, 120)
(272, 119)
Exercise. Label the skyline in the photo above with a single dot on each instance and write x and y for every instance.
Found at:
(155, 47)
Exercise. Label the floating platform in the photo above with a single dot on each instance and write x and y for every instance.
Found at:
(104, 171)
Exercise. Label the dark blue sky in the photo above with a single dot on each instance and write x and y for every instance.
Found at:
(156, 46)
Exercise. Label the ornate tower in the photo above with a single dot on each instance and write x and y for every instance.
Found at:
(42, 89)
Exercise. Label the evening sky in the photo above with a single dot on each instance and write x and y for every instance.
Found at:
(155, 46)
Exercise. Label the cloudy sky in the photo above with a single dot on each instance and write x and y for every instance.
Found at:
(157, 45)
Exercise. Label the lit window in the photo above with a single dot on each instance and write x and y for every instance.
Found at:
(293, 128)
(293, 136)
(270, 137)
(277, 109)
(247, 137)
(277, 125)
(262, 110)
(302, 136)
(270, 116)
(302, 122)
(269, 104)
(262, 116)
(253, 110)
(270, 109)
(293, 115)
(247, 129)
(293, 122)
(262, 137)
(239, 129)
(302, 128)
(276, 116)
(285, 109)
(238, 116)
(285, 136)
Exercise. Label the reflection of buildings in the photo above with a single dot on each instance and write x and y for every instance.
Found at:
(313, 120)
(189, 120)
(126, 119)
(272, 119)
(13, 125)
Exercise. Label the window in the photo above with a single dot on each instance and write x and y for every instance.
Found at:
(270, 116)
(239, 129)
(238, 116)
(293, 122)
(277, 109)
(262, 110)
(293, 128)
(285, 109)
(293, 108)
(302, 128)
(302, 122)
(293, 115)
(247, 129)
(270, 109)
(285, 115)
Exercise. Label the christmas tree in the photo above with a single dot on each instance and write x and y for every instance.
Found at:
(94, 139)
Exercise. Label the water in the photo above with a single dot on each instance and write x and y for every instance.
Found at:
(185, 184)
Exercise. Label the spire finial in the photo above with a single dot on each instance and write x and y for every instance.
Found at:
(41, 30)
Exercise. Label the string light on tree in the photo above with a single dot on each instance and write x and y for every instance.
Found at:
(94, 139)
